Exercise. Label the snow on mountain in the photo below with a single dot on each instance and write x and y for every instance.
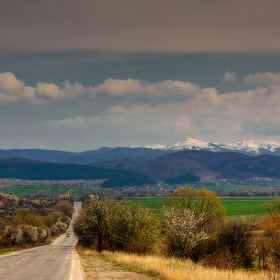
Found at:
(248, 146)
(254, 146)
(156, 146)
(193, 144)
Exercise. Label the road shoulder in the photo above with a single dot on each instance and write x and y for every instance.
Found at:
(95, 267)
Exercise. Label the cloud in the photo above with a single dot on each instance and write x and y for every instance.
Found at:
(201, 111)
(263, 79)
(178, 107)
(229, 77)
(13, 90)
(131, 89)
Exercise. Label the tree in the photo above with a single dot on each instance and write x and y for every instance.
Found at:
(181, 230)
(91, 226)
(271, 226)
(65, 207)
(185, 217)
(132, 228)
(199, 202)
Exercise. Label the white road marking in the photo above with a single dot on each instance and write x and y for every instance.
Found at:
(72, 269)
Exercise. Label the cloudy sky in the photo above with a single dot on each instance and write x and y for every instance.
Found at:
(80, 75)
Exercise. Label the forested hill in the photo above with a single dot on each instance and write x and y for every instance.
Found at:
(36, 170)
(202, 164)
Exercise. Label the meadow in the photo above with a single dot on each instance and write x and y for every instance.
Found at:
(233, 205)
(55, 190)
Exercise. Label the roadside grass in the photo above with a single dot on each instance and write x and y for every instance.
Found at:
(6, 251)
(56, 190)
(9, 250)
(235, 206)
(170, 268)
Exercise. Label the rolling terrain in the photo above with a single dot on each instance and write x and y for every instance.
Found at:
(202, 164)
(106, 154)
(101, 155)
(35, 170)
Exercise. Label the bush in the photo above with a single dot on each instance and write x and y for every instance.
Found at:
(65, 207)
(91, 226)
(236, 244)
(107, 224)
(132, 228)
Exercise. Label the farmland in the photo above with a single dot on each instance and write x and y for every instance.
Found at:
(233, 205)
(48, 190)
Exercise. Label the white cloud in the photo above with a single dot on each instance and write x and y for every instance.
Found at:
(177, 107)
(9, 83)
(204, 111)
(131, 89)
(117, 88)
(13, 90)
(263, 79)
(229, 77)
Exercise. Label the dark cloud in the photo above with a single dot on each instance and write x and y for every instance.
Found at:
(260, 128)
(158, 25)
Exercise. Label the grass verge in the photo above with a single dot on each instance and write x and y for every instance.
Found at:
(6, 251)
(171, 268)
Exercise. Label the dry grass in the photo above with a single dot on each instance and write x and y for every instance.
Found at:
(175, 269)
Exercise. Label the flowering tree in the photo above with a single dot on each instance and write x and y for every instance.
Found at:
(182, 231)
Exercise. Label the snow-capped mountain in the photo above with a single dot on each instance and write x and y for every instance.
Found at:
(194, 144)
(257, 147)
(254, 146)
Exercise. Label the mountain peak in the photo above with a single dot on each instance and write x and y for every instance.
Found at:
(248, 146)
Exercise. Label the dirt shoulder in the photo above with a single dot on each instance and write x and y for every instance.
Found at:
(96, 268)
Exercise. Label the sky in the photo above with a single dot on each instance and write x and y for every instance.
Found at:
(81, 75)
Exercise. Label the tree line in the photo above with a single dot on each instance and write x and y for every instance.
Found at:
(30, 225)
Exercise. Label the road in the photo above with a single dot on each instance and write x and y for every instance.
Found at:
(57, 261)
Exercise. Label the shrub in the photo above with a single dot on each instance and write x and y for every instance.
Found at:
(65, 207)
(107, 224)
(91, 226)
(132, 228)
(235, 243)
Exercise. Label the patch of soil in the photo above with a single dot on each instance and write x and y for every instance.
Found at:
(97, 269)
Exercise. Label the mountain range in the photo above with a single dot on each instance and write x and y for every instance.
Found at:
(185, 161)
(254, 147)
(249, 147)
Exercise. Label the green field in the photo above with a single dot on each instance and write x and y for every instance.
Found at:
(233, 205)
(56, 190)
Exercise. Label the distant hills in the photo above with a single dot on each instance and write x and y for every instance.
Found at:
(250, 147)
(201, 164)
(35, 170)
(87, 157)
(185, 161)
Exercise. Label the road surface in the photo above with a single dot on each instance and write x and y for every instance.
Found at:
(57, 261)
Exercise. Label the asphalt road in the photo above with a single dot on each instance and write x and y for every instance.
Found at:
(57, 261)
